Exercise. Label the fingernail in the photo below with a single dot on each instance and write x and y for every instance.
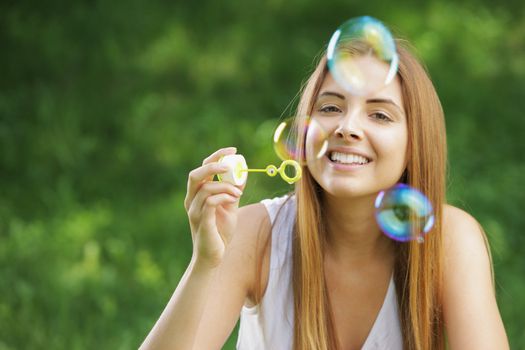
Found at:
(238, 192)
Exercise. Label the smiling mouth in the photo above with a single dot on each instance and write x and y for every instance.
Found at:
(347, 158)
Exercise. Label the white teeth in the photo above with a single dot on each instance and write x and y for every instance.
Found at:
(348, 158)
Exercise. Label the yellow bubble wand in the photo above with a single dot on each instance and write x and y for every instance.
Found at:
(238, 170)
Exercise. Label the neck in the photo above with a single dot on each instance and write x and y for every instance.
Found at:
(353, 237)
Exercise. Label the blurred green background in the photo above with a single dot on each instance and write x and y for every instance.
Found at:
(106, 106)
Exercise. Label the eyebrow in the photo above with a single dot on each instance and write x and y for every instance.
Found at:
(330, 93)
(373, 100)
(385, 100)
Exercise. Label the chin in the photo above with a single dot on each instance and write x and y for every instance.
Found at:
(349, 191)
(346, 188)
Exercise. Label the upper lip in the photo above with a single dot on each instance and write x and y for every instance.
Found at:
(348, 150)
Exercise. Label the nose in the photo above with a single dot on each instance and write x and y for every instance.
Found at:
(349, 128)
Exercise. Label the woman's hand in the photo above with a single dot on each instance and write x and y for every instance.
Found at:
(212, 210)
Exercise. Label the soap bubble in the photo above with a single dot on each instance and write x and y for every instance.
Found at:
(404, 213)
(362, 55)
(286, 135)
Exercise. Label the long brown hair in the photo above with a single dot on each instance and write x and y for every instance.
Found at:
(418, 267)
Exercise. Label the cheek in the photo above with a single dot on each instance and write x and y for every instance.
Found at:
(403, 147)
(393, 146)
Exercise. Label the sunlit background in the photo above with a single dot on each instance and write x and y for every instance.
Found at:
(106, 106)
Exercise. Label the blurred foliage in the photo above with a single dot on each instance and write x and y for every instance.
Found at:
(106, 106)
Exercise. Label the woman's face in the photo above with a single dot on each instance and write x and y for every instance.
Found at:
(366, 135)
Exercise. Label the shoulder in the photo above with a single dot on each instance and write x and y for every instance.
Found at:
(253, 221)
(465, 247)
(264, 213)
(253, 225)
(462, 231)
(471, 315)
(255, 211)
(464, 241)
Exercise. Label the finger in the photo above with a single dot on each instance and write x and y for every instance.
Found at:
(200, 175)
(216, 156)
(205, 173)
(213, 188)
(223, 209)
(205, 212)
(219, 199)
(197, 176)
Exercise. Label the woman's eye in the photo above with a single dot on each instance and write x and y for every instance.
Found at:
(381, 116)
(329, 109)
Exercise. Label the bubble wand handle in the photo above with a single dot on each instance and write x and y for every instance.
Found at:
(271, 170)
(255, 170)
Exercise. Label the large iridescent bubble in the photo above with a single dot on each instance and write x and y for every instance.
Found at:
(362, 56)
(404, 213)
(288, 133)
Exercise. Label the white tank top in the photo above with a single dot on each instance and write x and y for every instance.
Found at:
(269, 325)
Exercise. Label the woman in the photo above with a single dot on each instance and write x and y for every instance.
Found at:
(312, 270)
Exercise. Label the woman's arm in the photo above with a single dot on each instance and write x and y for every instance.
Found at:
(206, 304)
(236, 278)
(203, 311)
(178, 323)
(472, 318)
(212, 209)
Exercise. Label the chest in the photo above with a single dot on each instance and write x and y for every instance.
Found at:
(356, 301)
